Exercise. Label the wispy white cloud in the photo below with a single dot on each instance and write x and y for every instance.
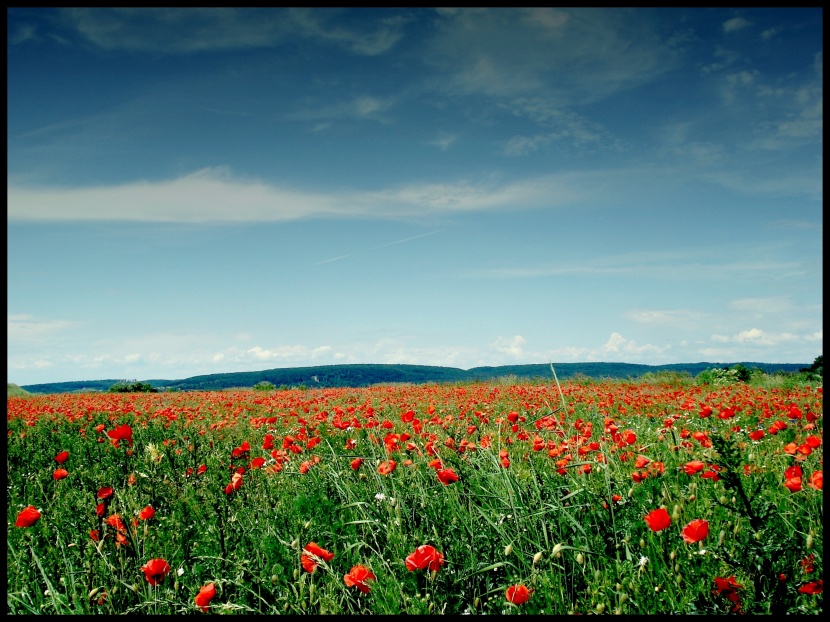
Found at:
(673, 266)
(193, 30)
(682, 318)
(364, 107)
(763, 306)
(23, 327)
(562, 127)
(573, 55)
(735, 24)
(214, 195)
(512, 346)
(759, 337)
(617, 344)
(445, 141)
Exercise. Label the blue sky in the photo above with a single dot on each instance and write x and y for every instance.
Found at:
(196, 191)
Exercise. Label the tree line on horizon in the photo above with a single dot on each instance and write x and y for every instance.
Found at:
(357, 375)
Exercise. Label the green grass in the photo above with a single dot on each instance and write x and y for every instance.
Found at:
(16, 391)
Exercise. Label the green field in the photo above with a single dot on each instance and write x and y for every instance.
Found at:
(606, 496)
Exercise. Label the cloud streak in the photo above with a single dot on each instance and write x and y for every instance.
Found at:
(194, 30)
(213, 195)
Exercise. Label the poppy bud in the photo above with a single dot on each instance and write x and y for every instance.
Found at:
(557, 550)
(672, 555)
(580, 559)
(675, 515)
(476, 602)
(600, 608)
(307, 524)
(623, 598)
(723, 499)
(809, 544)
(311, 590)
(597, 574)
(537, 558)
(296, 573)
(721, 537)
(508, 549)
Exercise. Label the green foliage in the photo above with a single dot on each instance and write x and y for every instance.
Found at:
(132, 387)
(264, 386)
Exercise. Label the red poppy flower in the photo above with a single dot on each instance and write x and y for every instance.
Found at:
(242, 451)
(757, 435)
(695, 466)
(205, 595)
(355, 464)
(121, 433)
(792, 478)
(658, 519)
(808, 564)
(105, 493)
(728, 584)
(155, 570)
(813, 587)
(728, 588)
(201, 470)
(424, 557)
(357, 577)
(100, 509)
(62, 457)
(257, 463)
(147, 513)
(387, 467)
(28, 516)
(312, 553)
(93, 534)
(695, 531)
(640, 462)
(816, 480)
(235, 484)
(518, 594)
(116, 522)
(60, 474)
(447, 476)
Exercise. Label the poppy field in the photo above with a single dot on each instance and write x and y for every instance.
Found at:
(582, 497)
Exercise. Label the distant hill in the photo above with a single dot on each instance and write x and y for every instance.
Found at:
(366, 375)
(15, 390)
